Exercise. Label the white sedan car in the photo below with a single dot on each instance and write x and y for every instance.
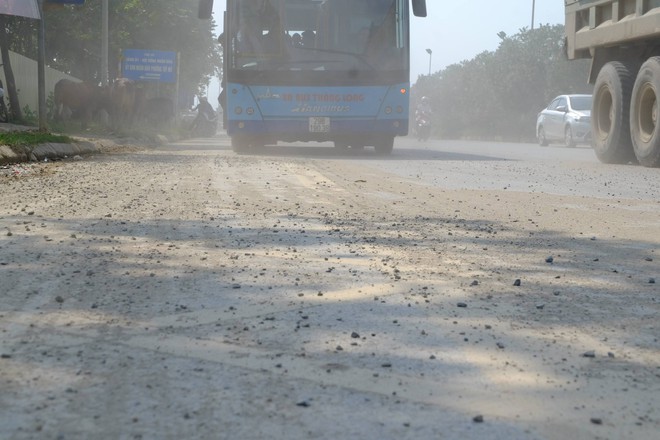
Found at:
(567, 120)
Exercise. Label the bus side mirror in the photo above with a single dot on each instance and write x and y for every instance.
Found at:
(419, 8)
(205, 9)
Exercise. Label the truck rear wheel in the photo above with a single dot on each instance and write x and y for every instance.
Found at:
(644, 114)
(610, 114)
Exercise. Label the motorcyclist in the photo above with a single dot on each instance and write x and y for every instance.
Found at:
(423, 114)
(205, 113)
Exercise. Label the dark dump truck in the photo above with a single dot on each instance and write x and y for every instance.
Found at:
(622, 38)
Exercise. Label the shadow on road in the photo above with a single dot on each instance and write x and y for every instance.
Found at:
(325, 150)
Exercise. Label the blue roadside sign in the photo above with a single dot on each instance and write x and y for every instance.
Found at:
(149, 65)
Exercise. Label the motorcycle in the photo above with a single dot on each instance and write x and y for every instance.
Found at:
(205, 125)
(423, 128)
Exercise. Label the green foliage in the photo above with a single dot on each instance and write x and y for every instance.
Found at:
(497, 95)
(30, 117)
(31, 138)
(73, 37)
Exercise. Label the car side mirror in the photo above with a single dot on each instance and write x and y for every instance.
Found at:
(562, 108)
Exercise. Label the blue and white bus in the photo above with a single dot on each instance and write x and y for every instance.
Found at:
(317, 70)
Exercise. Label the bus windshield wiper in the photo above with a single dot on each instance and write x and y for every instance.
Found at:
(358, 56)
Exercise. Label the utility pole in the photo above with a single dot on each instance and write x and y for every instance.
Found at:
(430, 52)
(104, 43)
(41, 69)
(533, 9)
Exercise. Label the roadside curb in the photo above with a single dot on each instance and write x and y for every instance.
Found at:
(51, 151)
(10, 155)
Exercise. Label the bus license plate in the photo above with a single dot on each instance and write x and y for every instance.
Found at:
(319, 124)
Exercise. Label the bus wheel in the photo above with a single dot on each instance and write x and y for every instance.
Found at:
(610, 114)
(240, 144)
(384, 146)
(644, 124)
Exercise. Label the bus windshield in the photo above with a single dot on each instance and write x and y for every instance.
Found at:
(318, 35)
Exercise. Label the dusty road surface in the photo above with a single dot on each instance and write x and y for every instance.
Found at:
(444, 292)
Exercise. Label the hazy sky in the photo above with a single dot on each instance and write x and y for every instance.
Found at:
(457, 30)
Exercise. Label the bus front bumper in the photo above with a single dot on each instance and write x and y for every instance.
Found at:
(309, 130)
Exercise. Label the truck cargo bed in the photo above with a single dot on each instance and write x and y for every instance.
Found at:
(600, 23)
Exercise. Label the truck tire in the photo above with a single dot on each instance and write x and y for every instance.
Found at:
(610, 114)
(645, 112)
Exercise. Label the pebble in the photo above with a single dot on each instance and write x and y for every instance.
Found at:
(651, 280)
(589, 354)
(596, 421)
(461, 304)
(500, 345)
(516, 282)
(540, 306)
(478, 419)
(549, 259)
(355, 335)
(59, 299)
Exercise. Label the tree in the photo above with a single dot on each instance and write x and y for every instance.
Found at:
(14, 104)
(497, 95)
(73, 37)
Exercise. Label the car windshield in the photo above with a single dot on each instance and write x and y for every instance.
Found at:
(580, 103)
(355, 35)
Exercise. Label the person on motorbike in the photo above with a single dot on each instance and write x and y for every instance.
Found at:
(205, 114)
(423, 114)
